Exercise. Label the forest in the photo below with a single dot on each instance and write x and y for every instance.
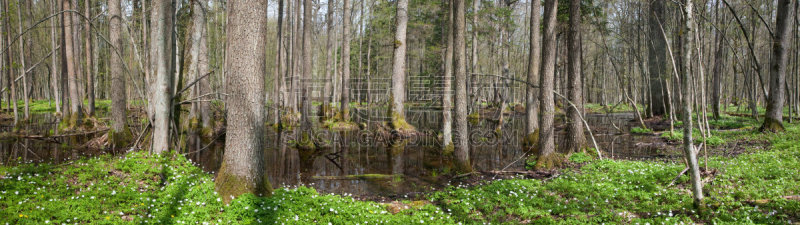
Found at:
(399, 112)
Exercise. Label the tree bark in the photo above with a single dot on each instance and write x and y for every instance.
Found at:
(242, 169)
(461, 151)
(72, 76)
(54, 74)
(25, 87)
(531, 103)
(161, 66)
(326, 100)
(89, 60)
(9, 78)
(657, 59)
(576, 139)
(447, 101)
(398, 96)
(118, 88)
(546, 144)
(278, 89)
(773, 120)
(686, 86)
(306, 96)
(345, 101)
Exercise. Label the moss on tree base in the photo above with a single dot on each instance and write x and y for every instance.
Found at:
(529, 143)
(772, 125)
(230, 186)
(547, 162)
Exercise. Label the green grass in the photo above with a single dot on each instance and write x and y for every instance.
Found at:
(46, 106)
(139, 188)
(600, 108)
(639, 130)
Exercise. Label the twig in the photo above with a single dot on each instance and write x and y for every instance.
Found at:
(679, 176)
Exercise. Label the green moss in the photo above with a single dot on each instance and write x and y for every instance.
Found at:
(121, 138)
(550, 161)
(530, 142)
(448, 149)
(640, 130)
(474, 118)
(399, 123)
(772, 125)
(230, 186)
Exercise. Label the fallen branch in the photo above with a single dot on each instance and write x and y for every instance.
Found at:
(677, 177)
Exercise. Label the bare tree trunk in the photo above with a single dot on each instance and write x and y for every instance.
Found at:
(531, 103)
(474, 53)
(773, 120)
(72, 75)
(686, 80)
(242, 169)
(719, 60)
(326, 100)
(9, 78)
(278, 98)
(161, 66)
(306, 95)
(461, 150)
(119, 116)
(447, 101)
(54, 74)
(89, 62)
(295, 67)
(22, 73)
(345, 101)
(398, 96)
(657, 59)
(576, 139)
(546, 145)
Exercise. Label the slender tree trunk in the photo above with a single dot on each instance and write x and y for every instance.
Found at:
(161, 66)
(89, 62)
(686, 80)
(242, 169)
(326, 100)
(773, 120)
(719, 60)
(72, 75)
(12, 89)
(306, 95)
(54, 74)
(576, 139)
(22, 69)
(531, 102)
(119, 116)
(278, 89)
(657, 59)
(345, 101)
(460, 68)
(398, 96)
(447, 101)
(546, 145)
(474, 53)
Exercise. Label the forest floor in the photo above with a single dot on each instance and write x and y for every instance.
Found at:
(752, 178)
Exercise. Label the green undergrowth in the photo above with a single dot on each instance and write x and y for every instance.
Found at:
(640, 130)
(46, 106)
(140, 188)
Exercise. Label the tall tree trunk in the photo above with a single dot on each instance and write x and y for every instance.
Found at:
(89, 62)
(72, 75)
(461, 151)
(686, 86)
(54, 72)
(474, 53)
(576, 139)
(345, 101)
(12, 88)
(161, 66)
(657, 59)
(242, 169)
(306, 95)
(326, 100)
(278, 89)
(22, 69)
(447, 101)
(531, 103)
(773, 120)
(546, 145)
(119, 126)
(719, 60)
(398, 96)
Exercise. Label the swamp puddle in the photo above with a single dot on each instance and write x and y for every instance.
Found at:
(365, 164)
